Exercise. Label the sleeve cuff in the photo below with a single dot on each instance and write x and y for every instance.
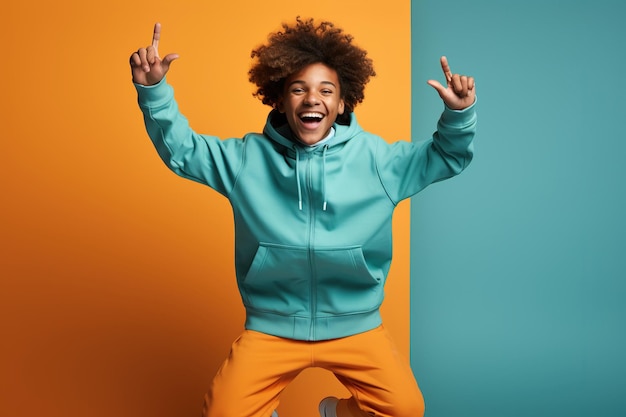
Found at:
(459, 117)
(153, 95)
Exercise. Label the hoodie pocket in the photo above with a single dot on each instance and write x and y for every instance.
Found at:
(345, 283)
(278, 280)
(292, 280)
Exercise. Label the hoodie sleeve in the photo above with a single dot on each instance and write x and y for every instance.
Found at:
(201, 158)
(406, 168)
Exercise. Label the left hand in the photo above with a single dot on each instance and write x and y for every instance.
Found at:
(460, 92)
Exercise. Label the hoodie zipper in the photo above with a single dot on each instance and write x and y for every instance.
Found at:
(310, 240)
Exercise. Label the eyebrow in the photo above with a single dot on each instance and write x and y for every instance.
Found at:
(304, 82)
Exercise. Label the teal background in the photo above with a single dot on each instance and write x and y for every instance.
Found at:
(518, 266)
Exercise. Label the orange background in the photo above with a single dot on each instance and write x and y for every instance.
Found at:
(117, 293)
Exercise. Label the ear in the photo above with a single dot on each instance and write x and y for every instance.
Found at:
(341, 107)
(280, 106)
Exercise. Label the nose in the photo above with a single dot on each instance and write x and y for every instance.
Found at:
(311, 99)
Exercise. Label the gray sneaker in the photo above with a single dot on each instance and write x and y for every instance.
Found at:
(274, 414)
(328, 407)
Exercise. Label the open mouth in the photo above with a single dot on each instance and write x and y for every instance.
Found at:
(311, 119)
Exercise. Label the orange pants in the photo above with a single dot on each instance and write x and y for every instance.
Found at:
(260, 366)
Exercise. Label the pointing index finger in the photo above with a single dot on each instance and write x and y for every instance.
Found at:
(156, 36)
(446, 69)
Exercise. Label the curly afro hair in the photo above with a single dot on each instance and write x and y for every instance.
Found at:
(305, 43)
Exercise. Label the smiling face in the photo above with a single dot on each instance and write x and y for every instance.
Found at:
(311, 102)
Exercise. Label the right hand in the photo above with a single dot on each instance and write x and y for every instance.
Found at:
(146, 65)
(460, 91)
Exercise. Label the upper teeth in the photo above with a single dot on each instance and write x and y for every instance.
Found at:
(317, 115)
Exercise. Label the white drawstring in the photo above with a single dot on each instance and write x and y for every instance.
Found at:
(298, 183)
(324, 176)
(298, 178)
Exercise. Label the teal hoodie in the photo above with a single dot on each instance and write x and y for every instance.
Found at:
(312, 224)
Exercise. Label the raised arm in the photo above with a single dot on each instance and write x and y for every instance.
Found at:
(460, 91)
(146, 65)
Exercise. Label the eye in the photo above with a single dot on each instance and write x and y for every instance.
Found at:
(327, 92)
(297, 90)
